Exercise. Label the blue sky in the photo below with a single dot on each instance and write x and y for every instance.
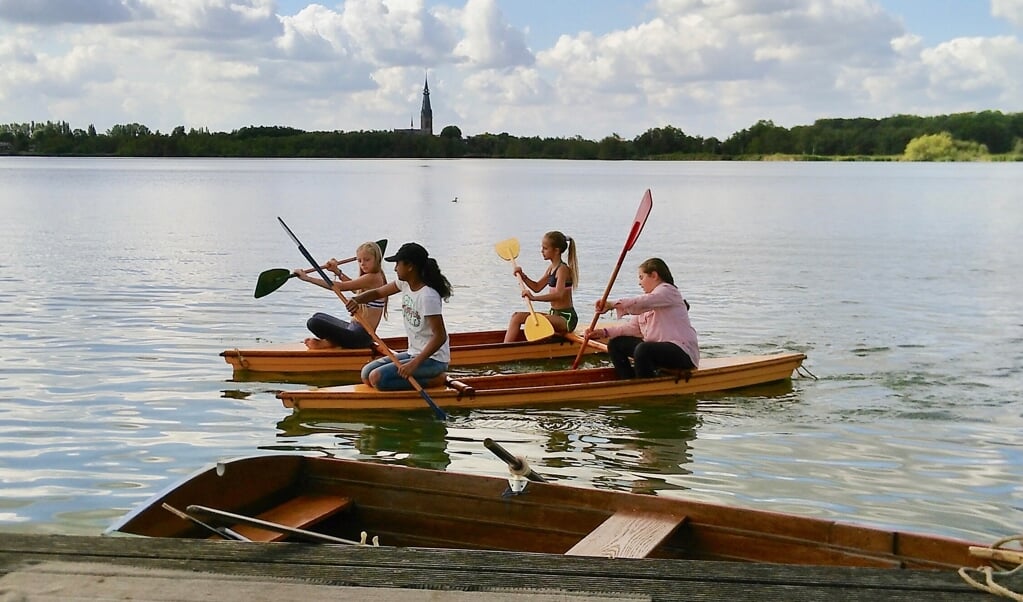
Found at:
(562, 68)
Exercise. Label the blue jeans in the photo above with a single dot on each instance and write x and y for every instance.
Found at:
(390, 380)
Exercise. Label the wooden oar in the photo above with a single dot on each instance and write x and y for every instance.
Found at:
(241, 519)
(271, 280)
(224, 532)
(516, 464)
(537, 326)
(441, 415)
(645, 205)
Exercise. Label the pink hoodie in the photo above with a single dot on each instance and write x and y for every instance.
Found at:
(660, 316)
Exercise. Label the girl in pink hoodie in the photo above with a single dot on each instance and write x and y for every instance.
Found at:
(660, 334)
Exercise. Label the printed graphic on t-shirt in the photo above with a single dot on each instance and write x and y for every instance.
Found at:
(408, 310)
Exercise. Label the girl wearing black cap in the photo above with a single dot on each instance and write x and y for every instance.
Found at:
(423, 287)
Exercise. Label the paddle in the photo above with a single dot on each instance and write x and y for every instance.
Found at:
(537, 326)
(441, 415)
(271, 280)
(645, 205)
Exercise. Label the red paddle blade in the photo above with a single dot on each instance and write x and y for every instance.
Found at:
(645, 205)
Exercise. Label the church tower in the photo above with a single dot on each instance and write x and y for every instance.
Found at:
(426, 114)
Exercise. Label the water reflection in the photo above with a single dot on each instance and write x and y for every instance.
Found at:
(399, 437)
(113, 388)
(622, 447)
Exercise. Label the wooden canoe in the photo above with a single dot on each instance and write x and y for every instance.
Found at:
(313, 498)
(467, 349)
(557, 386)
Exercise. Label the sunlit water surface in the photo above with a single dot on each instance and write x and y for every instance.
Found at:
(121, 280)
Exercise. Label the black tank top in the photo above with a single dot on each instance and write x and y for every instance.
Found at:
(552, 280)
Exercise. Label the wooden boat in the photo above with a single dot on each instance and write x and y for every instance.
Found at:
(557, 386)
(467, 349)
(291, 497)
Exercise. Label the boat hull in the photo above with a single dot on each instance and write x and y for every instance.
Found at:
(467, 349)
(412, 507)
(589, 384)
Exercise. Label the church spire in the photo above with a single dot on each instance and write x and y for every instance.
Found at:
(426, 114)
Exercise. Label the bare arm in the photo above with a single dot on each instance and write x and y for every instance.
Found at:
(371, 295)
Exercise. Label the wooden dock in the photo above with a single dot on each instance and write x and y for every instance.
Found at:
(48, 568)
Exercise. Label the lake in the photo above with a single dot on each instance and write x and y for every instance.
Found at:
(121, 280)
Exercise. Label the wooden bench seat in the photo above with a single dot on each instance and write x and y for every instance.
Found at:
(627, 534)
(299, 513)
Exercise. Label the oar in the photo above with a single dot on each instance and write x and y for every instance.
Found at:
(223, 515)
(271, 280)
(517, 465)
(645, 205)
(537, 326)
(441, 415)
(224, 532)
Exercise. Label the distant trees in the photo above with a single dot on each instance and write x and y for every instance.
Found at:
(942, 147)
(961, 136)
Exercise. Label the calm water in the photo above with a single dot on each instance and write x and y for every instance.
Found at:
(121, 280)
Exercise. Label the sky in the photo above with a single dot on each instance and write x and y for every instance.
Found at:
(549, 68)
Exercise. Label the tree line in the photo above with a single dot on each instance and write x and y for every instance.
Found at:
(960, 136)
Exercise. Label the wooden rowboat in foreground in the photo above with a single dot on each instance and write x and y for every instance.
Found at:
(558, 386)
(291, 497)
(467, 349)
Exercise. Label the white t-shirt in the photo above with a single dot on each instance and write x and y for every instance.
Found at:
(415, 306)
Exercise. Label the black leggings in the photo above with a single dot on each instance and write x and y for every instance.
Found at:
(649, 357)
(342, 334)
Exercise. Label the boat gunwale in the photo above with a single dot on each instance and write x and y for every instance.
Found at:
(646, 385)
(831, 538)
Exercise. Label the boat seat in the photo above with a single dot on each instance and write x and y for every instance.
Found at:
(298, 512)
(628, 534)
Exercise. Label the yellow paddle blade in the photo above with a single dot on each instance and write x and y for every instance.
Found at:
(538, 327)
(508, 249)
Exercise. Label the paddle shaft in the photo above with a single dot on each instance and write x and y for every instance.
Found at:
(366, 325)
(514, 463)
(529, 302)
(324, 266)
(645, 205)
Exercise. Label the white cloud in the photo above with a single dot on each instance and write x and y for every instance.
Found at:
(709, 67)
(1010, 10)
(966, 70)
(489, 42)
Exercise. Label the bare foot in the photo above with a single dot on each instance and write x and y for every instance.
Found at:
(312, 343)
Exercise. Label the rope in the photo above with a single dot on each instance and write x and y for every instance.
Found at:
(800, 369)
(1001, 558)
(241, 358)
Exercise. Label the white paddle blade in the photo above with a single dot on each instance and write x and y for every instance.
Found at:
(508, 249)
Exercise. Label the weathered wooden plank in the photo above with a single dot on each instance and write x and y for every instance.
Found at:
(627, 534)
(456, 570)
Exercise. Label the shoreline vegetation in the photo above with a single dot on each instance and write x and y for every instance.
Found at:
(975, 136)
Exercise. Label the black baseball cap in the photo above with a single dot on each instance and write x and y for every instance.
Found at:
(411, 252)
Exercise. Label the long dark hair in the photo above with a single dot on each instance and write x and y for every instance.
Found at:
(431, 275)
(656, 264)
